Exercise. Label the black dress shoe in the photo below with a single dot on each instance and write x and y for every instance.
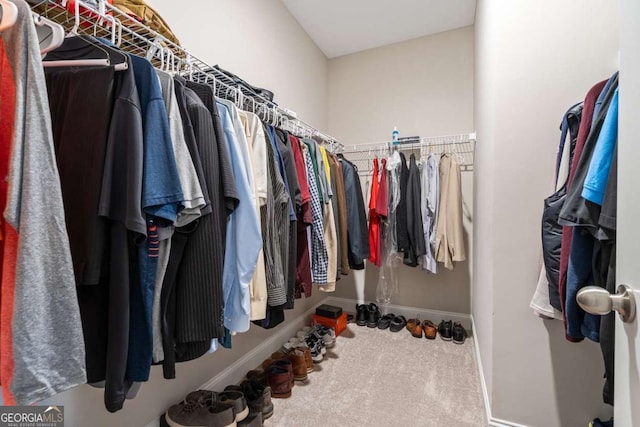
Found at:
(373, 315)
(459, 333)
(446, 330)
(361, 314)
(385, 321)
(398, 323)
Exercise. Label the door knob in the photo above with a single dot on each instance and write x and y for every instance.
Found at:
(596, 300)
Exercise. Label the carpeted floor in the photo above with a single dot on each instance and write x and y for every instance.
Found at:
(377, 378)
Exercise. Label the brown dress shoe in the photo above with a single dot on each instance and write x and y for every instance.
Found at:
(430, 329)
(415, 328)
(299, 365)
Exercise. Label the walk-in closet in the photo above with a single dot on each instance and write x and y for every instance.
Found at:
(296, 213)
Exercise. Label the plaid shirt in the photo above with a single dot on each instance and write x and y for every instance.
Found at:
(319, 256)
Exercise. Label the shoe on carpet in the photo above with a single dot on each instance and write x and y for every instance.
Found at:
(253, 420)
(285, 364)
(299, 364)
(308, 359)
(361, 314)
(445, 329)
(459, 333)
(398, 323)
(201, 413)
(430, 329)
(279, 379)
(385, 321)
(199, 396)
(258, 397)
(373, 315)
(239, 402)
(414, 326)
(599, 423)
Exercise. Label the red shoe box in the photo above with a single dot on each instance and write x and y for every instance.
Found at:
(339, 324)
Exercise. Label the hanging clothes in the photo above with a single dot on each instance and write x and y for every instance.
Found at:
(402, 233)
(546, 299)
(191, 176)
(162, 198)
(44, 291)
(577, 212)
(567, 232)
(256, 139)
(341, 201)
(394, 171)
(305, 220)
(430, 203)
(192, 297)
(357, 236)
(105, 289)
(295, 197)
(319, 257)
(374, 219)
(414, 216)
(329, 223)
(9, 237)
(450, 232)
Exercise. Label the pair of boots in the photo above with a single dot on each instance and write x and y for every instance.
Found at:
(367, 315)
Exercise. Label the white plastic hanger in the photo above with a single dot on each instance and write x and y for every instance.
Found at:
(50, 34)
(9, 14)
(88, 62)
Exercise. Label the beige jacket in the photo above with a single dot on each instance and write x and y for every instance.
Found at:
(254, 132)
(450, 233)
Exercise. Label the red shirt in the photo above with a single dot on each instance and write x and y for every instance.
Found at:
(9, 242)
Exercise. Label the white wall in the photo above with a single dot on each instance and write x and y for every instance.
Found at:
(259, 41)
(533, 61)
(262, 43)
(424, 87)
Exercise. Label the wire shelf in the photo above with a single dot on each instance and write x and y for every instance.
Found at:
(462, 146)
(132, 36)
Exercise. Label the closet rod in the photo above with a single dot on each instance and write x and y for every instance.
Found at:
(135, 37)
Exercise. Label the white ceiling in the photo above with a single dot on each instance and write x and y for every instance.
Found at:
(341, 27)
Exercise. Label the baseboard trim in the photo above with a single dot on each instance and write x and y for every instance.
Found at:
(349, 305)
(483, 382)
(496, 422)
(491, 420)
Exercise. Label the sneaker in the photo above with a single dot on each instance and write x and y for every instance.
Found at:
(201, 413)
(361, 314)
(446, 330)
(459, 333)
(200, 396)
(239, 402)
(253, 420)
(323, 333)
(258, 397)
(373, 315)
